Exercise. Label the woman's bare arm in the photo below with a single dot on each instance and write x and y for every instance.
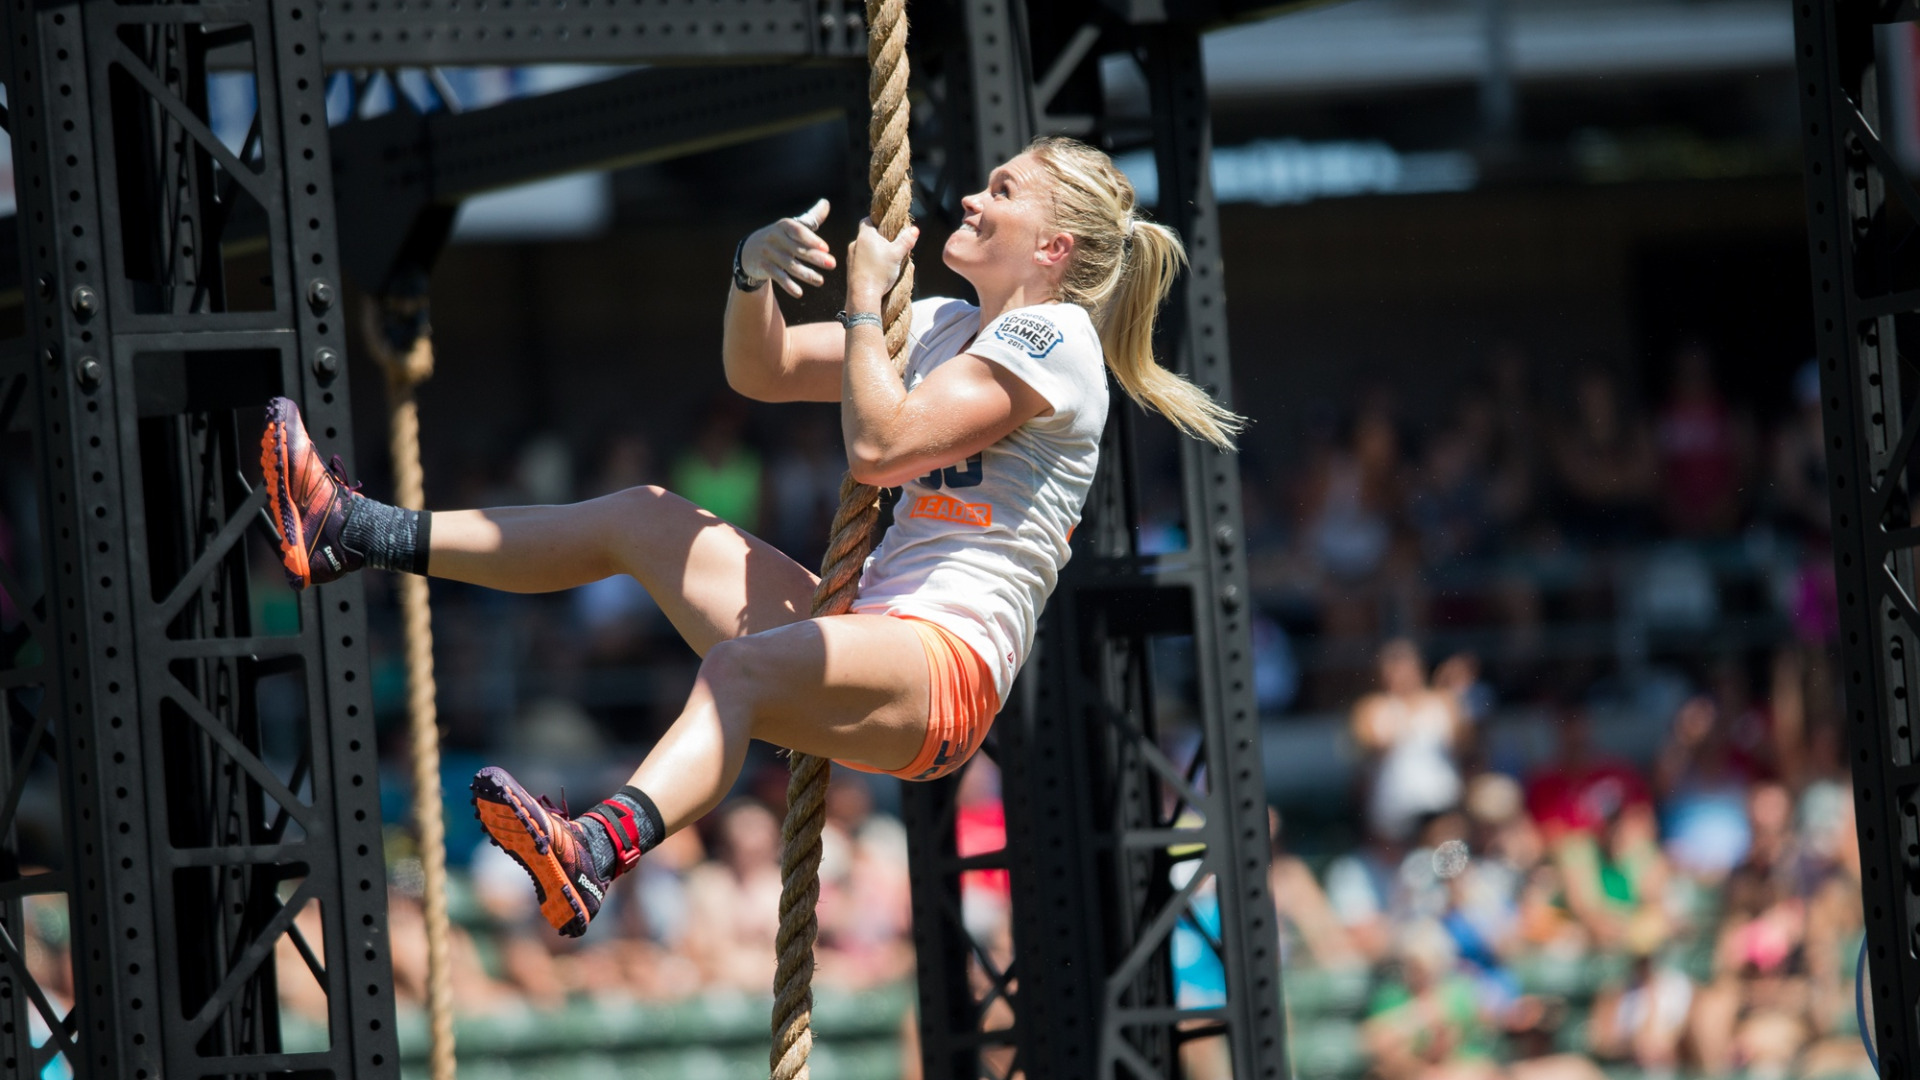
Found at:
(767, 360)
(892, 436)
(764, 358)
(964, 406)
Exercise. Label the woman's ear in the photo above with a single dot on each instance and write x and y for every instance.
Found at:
(1056, 251)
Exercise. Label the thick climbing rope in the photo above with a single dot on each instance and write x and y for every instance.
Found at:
(397, 332)
(856, 528)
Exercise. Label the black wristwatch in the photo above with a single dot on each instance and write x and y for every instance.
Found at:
(740, 279)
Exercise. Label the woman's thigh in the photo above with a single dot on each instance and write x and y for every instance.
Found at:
(849, 687)
(712, 579)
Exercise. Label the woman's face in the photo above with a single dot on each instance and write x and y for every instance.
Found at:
(1007, 230)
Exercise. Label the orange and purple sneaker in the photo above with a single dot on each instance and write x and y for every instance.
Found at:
(310, 500)
(552, 849)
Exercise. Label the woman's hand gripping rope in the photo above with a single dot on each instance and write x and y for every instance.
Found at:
(789, 251)
(874, 264)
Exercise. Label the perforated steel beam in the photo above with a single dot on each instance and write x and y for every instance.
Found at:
(192, 836)
(1234, 797)
(1119, 844)
(391, 169)
(1861, 218)
(367, 33)
(1093, 838)
(372, 34)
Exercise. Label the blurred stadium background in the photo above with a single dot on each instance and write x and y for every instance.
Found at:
(1535, 498)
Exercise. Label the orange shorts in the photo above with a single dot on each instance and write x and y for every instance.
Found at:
(961, 705)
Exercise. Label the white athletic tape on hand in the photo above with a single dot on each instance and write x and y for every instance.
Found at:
(810, 219)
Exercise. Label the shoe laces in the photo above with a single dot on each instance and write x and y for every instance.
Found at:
(337, 469)
(565, 814)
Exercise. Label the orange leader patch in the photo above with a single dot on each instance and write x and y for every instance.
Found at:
(943, 508)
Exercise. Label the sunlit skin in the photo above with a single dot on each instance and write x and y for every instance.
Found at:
(1006, 246)
(851, 687)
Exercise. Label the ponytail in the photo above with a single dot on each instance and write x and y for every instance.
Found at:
(1121, 271)
(1148, 266)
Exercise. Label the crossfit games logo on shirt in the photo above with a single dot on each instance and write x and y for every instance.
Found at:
(1032, 334)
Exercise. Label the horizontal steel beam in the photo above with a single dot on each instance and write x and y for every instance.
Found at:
(447, 33)
(393, 171)
(647, 116)
(411, 33)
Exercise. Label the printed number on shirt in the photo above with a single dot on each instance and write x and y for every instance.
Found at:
(956, 476)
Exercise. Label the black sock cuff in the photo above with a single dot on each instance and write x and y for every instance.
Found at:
(387, 537)
(422, 542)
(653, 828)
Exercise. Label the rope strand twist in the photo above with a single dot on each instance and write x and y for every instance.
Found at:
(855, 531)
(397, 334)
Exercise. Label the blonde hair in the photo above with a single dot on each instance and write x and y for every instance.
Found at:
(1121, 270)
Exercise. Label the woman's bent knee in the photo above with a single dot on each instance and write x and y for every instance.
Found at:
(761, 677)
(639, 498)
(624, 514)
(734, 671)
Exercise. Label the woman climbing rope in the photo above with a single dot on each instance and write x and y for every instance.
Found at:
(993, 435)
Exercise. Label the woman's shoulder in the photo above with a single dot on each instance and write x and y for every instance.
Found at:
(942, 307)
(1040, 329)
(936, 315)
(1054, 313)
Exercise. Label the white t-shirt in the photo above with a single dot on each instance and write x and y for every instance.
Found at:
(976, 547)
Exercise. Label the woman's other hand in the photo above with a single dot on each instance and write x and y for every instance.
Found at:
(789, 251)
(874, 263)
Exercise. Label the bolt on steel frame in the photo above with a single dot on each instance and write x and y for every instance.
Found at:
(1862, 213)
(215, 773)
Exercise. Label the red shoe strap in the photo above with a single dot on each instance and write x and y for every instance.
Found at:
(626, 838)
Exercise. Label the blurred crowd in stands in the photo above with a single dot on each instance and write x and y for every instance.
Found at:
(1547, 520)
(1611, 827)
(1698, 913)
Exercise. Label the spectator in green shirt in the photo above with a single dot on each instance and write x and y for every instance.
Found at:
(720, 472)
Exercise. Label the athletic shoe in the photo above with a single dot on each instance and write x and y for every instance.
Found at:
(551, 849)
(310, 500)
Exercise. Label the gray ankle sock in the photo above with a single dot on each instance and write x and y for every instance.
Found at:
(599, 847)
(387, 537)
(629, 804)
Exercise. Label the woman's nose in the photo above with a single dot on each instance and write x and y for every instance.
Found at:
(970, 203)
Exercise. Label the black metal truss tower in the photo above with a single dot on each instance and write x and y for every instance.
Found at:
(216, 779)
(1112, 842)
(1862, 214)
(214, 767)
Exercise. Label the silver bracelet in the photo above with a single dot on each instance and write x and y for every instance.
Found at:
(857, 318)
